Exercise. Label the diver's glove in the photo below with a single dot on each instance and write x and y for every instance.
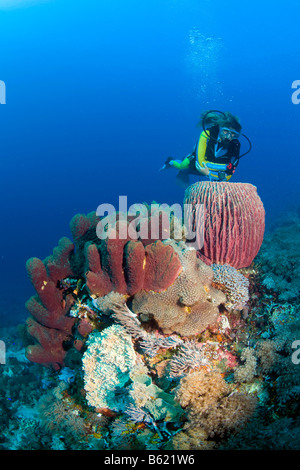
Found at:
(167, 164)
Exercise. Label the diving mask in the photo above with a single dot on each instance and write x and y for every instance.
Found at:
(228, 134)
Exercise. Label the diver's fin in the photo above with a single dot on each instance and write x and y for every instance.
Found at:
(164, 167)
(182, 179)
(166, 164)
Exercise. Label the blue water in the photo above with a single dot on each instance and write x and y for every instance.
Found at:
(99, 93)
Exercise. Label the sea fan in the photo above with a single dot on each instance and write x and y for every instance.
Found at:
(189, 358)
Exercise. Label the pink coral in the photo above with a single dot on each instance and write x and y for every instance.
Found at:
(50, 326)
(127, 267)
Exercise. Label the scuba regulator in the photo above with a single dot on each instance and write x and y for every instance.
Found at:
(204, 126)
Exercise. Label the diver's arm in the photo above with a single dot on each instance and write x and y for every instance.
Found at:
(180, 165)
(200, 149)
(203, 170)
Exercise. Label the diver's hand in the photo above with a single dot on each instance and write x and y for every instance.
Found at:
(205, 170)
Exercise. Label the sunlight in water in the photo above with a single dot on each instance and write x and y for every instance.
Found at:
(12, 4)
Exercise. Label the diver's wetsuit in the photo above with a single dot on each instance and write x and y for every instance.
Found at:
(221, 158)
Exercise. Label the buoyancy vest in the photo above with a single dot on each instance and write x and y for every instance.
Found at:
(220, 159)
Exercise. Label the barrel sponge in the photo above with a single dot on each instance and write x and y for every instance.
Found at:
(230, 220)
(187, 306)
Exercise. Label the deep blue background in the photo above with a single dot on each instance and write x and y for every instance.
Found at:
(99, 93)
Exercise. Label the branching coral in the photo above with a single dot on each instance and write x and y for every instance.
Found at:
(229, 415)
(199, 390)
(189, 358)
(266, 353)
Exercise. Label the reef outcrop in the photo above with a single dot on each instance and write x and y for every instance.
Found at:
(145, 332)
(163, 281)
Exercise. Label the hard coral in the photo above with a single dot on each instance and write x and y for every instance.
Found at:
(116, 379)
(189, 304)
(229, 218)
(107, 364)
(236, 285)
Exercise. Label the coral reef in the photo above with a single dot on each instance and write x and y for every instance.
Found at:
(150, 348)
(229, 218)
(280, 260)
(162, 279)
(190, 357)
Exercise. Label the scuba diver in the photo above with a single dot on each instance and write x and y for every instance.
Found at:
(217, 152)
